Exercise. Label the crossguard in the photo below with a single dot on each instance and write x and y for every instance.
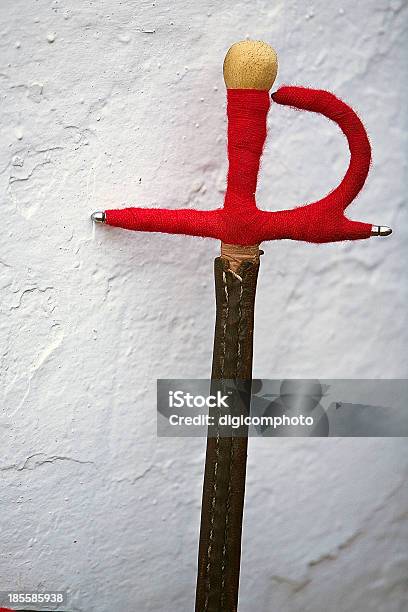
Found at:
(239, 221)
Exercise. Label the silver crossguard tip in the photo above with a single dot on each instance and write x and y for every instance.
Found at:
(98, 217)
(380, 230)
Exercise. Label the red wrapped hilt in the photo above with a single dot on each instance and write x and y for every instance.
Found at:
(240, 221)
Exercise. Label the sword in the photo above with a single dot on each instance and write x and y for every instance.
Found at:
(250, 69)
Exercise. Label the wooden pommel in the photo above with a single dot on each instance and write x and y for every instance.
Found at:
(250, 64)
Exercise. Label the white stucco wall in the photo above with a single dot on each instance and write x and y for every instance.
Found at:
(111, 103)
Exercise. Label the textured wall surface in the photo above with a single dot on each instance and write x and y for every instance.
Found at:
(111, 103)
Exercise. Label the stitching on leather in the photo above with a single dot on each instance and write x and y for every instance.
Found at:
(239, 326)
(227, 517)
(217, 450)
(226, 530)
(224, 329)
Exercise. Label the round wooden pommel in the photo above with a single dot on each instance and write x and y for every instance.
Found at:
(250, 64)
